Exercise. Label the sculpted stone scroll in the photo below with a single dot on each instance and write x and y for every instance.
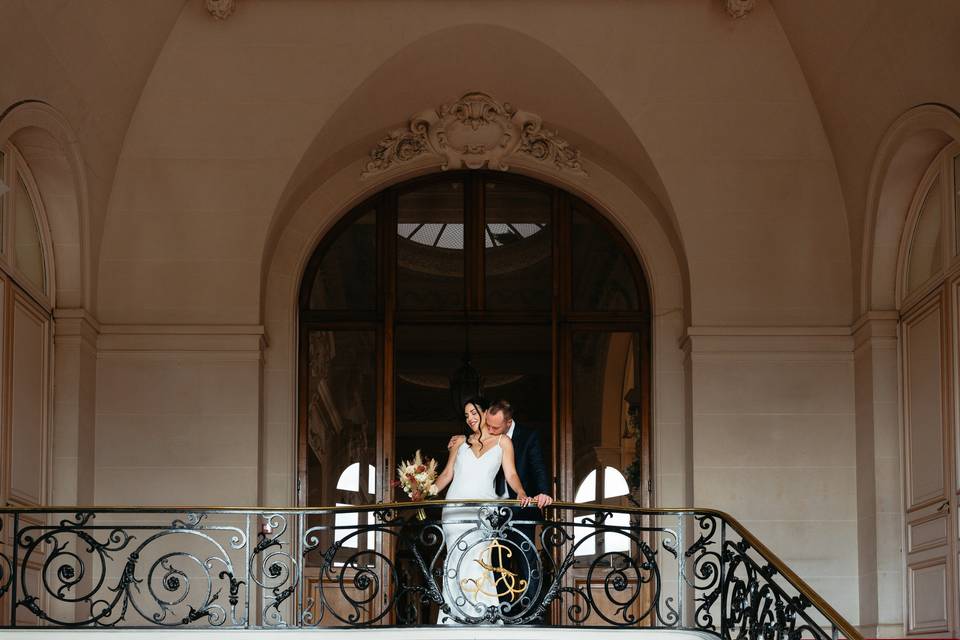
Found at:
(474, 132)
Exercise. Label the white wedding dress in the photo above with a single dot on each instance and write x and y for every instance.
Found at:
(468, 587)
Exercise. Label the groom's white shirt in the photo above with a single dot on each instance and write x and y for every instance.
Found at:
(506, 491)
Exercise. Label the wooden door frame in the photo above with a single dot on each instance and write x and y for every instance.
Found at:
(562, 319)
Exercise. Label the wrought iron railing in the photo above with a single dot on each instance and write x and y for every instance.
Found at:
(402, 564)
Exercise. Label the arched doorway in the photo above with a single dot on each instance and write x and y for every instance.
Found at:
(928, 294)
(442, 283)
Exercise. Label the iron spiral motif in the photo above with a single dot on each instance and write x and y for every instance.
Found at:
(755, 605)
(585, 565)
(109, 576)
(705, 570)
(274, 568)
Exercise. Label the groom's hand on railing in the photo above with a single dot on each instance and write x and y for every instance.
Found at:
(542, 500)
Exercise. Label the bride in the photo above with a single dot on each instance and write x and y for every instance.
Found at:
(469, 587)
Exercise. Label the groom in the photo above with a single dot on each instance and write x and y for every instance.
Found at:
(528, 457)
(528, 454)
(531, 467)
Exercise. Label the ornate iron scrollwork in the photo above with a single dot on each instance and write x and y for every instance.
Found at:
(381, 565)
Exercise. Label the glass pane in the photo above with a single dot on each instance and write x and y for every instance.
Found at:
(617, 541)
(347, 276)
(427, 357)
(614, 484)
(518, 247)
(511, 362)
(604, 371)
(28, 249)
(602, 278)
(430, 243)
(587, 490)
(924, 257)
(956, 198)
(584, 536)
(4, 188)
(341, 443)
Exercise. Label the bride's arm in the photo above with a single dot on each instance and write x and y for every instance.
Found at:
(510, 471)
(446, 476)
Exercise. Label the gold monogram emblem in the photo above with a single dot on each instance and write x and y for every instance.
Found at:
(505, 579)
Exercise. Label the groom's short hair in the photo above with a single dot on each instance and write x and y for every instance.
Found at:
(502, 406)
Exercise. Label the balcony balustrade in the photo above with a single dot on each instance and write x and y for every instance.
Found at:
(388, 565)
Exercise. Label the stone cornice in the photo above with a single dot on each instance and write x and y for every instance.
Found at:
(769, 342)
(73, 325)
(875, 328)
(234, 342)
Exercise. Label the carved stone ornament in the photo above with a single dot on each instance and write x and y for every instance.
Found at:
(221, 9)
(474, 132)
(740, 8)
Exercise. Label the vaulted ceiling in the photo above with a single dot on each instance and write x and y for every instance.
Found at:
(865, 62)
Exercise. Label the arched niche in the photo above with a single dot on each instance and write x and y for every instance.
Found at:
(895, 377)
(51, 150)
(621, 183)
(903, 156)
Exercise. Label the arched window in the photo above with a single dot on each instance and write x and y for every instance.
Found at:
(929, 296)
(602, 486)
(456, 281)
(354, 490)
(25, 325)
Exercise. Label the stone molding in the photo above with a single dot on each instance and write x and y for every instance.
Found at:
(740, 8)
(230, 342)
(876, 328)
(774, 343)
(474, 132)
(75, 327)
(221, 9)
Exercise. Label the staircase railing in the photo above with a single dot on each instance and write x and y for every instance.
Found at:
(394, 564)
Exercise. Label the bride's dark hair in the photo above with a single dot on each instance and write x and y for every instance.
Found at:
(481, 403)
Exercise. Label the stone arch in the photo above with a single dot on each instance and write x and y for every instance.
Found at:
(904, 154)
(422, 75)
(50, 148)
(622, 184)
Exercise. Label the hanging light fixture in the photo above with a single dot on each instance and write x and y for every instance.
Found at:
(465, 381)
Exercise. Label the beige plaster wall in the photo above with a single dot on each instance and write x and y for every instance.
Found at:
(177, 416)
(710, 157)
(89, 61)
(774, 444)
(703, 144)
(230, 109)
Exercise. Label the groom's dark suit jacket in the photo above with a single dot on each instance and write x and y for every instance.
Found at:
(528, 454)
